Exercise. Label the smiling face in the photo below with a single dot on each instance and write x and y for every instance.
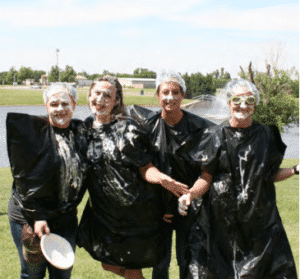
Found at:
(103, 99)
(170, 96)
(243, 111)
(60, 108)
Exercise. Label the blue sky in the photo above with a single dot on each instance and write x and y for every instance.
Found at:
(120, 36)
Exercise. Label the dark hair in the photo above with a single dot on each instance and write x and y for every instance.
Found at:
(118, 110)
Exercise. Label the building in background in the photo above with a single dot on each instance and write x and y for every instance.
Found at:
(137, 82)
(82, 81)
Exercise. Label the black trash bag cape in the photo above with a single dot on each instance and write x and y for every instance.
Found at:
(239, 233)
(120, 223)
(36, 165)
(170, 147)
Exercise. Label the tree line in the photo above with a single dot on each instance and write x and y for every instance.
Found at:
(279, 89)
(197, 83)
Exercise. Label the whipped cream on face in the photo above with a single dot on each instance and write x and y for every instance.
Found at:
(168, 98)
(241, 115)
(60, 108)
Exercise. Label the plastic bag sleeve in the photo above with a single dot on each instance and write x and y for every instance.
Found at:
(277, 150)
(134, 144)
(206, 151)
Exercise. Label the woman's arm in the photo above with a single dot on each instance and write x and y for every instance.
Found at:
(199, 188)
(286, 173)
(152, 175)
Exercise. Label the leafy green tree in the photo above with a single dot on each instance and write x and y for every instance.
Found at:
(24, 73)
(11, 76)
(198, 84)
(68, 75)
(295, 88)
(3, 77)
(36, 75)
(94, 76)
(143, 73)
(220, 78)
(84, 74)
(187, 80)
(54, 74)
(123, 75)
(277, 105)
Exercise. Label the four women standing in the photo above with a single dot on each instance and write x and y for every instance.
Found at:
(239, 230)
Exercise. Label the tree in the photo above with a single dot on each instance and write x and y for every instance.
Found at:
(198, 84)
(143, 73)
(295, 88)
(94, 76)
(187, 80)
(36, 75)
(3, 77)
(220, 79)
(24, 73)
(277, 105)
(54, 74)
(68, 75)
(11, 76)
(84, 74)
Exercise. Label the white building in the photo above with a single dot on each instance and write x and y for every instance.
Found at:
(138, 82)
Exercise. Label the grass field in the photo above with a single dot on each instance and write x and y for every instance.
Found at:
(87, 268)
(11, 97)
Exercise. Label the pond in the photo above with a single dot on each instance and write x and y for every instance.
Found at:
(290, 135)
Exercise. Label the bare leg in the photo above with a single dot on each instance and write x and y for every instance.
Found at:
(115, 269)
(133, 274)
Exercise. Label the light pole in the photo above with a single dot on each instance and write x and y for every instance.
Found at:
(57, 51)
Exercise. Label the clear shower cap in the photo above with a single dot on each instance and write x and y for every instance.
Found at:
(59, 87)
(167, 76)
(239, 86)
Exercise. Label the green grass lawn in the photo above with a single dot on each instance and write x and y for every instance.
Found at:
(85, 267)
(11, 97)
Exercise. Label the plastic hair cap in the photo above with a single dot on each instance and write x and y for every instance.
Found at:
(170, 76)
(59, 87)
(240, 86)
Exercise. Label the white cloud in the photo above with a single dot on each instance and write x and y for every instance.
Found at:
(283, 17)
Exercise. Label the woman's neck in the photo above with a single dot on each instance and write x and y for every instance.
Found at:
(171, 117)
(236, 123)
(103, 119)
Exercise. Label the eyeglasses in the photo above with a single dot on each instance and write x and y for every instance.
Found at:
(236, 100)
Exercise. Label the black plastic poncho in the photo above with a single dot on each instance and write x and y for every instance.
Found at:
(46, 180)
(120, 224)
(239, 233)
(171, 146)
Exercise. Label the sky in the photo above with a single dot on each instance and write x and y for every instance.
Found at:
(119, 36)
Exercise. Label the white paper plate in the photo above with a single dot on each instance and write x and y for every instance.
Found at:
(57, 250)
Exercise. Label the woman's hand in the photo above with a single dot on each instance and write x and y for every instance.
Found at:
(152, 175)
(177, 188)
(184, 203)
(41, 228)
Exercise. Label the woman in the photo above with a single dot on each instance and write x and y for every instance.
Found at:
(239, 233)
(120, 224)
(48, 162)
(173, 132)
